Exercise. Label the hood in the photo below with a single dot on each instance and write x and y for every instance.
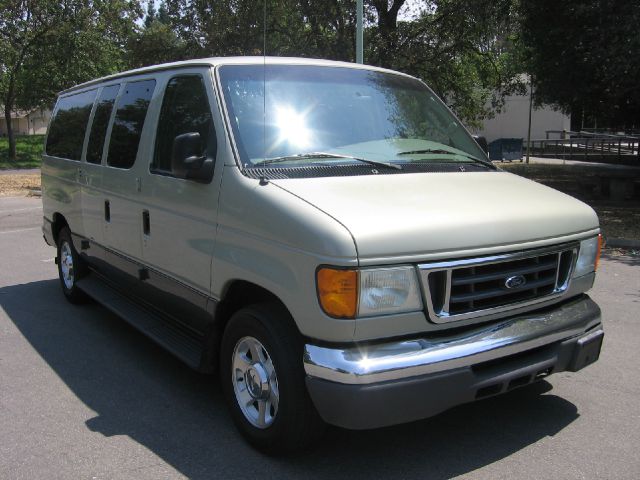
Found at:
(412, 215)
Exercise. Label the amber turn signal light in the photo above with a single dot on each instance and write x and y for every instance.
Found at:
(338, 292)
(595, 265)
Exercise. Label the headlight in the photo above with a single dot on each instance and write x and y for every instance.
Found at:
(350, 293)
(588, 256)
(388, 290)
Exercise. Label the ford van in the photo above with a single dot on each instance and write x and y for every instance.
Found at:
(327, 237)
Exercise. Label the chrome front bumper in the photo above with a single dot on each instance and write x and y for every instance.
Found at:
(375, 385)
(366, 364)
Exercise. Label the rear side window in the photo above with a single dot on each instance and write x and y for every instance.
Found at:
(185, 109)
(69, 125)
(127, 127)
(100, 123)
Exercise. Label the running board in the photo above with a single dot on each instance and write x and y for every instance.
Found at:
(186, 348)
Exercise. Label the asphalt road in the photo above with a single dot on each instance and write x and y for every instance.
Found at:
(83, 395)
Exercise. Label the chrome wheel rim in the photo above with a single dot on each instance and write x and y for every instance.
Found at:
(66, 265)
(255, 382)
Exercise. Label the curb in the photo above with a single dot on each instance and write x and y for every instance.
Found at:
(622, 243)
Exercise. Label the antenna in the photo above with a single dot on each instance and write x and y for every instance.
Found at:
(264, 79)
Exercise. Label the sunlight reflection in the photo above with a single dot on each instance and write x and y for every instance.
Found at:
(292, 127)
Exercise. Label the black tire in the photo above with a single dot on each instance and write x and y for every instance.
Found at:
(77, 268)
(296, 424)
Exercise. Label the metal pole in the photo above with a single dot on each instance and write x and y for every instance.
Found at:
(359, 34)
(530, 108)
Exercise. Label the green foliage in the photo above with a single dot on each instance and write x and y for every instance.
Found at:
(50, 45)
(29, 152)
(155, 44)
(583, 57)
(86, 43)
(462, 48)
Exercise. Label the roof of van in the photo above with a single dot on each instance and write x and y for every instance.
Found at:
(215, 61)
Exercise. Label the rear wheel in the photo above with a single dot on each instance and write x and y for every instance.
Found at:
(70, 267)
(263, 380)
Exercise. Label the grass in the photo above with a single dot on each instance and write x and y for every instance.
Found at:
(28, 149)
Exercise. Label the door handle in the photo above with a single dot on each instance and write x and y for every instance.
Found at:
(146, 222)
(107, 211)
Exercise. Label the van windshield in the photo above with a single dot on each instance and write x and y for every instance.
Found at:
(301, 114)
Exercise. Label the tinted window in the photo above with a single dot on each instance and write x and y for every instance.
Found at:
(127, 127)
(185, 109)
(69, 125)
(100, 123)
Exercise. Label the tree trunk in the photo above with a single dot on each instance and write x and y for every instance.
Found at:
(12, 139)
(387, 26)
(8, 108)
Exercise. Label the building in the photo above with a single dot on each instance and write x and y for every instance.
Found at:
(513, 121)
(26, 123)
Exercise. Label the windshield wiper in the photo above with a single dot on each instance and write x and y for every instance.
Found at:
(448, 152)
(302, 156)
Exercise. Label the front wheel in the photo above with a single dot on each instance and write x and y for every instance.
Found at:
(263, 380)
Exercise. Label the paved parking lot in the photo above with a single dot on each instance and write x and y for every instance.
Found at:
(82, 395)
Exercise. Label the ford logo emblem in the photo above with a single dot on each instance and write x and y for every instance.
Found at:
(515, 282)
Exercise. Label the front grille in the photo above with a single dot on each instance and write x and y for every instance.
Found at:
(473, 287)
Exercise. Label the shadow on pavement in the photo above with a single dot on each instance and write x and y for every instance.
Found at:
(138, 390)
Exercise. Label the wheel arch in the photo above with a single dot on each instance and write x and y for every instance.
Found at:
(57, 224)
(238, 294)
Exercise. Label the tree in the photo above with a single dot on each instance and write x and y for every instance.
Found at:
(154, 44)
(151, 14)
(461, 48)
(23, 26)
(582, 55)
(49, 45)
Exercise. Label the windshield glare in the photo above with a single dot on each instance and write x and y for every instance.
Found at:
(286, 110)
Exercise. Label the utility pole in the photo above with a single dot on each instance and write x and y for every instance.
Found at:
(530, 108)
(359, 34)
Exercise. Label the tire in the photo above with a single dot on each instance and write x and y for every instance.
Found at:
(276, 379)
(71, 268)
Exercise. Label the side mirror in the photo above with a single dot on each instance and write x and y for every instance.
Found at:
(187, 160)
(482, 141)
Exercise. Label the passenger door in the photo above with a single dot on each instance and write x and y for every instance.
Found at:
(94, 204)
(178, 243)
(121, 183)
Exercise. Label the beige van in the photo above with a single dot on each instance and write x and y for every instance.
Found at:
(326, 236)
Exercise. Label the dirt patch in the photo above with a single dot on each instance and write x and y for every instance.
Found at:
(19, 185)
(619, 220)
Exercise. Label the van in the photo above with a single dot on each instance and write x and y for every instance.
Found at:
(327, 237)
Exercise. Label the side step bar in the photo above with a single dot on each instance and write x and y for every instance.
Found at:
(186, 348)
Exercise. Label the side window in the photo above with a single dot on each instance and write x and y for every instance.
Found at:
(100, 123)
(127, 127)
(185, 109)
(69, 125)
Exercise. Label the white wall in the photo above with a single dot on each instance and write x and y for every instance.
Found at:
(20, 126)
(35, 122)
(38, 121)
(513, 120)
